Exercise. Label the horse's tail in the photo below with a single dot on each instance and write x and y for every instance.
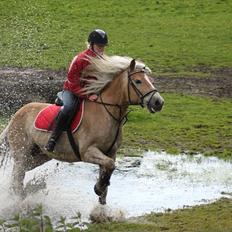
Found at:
(4, 146)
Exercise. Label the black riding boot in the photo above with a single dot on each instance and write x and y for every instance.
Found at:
(56, 132)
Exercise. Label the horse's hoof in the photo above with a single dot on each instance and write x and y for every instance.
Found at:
(97, 190)
(102, 200)
(101, 194)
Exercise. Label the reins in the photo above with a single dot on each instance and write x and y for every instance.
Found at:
(121, 118)
(124, 117)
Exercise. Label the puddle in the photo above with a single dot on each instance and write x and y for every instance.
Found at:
(153, 183)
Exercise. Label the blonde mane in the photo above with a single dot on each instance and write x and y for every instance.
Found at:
(104, 70)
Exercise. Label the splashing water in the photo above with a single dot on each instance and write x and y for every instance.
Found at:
(153, 183)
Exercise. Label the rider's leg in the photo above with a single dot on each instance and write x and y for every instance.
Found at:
(69, 102)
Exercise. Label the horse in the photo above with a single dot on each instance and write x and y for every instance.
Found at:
(120, 82)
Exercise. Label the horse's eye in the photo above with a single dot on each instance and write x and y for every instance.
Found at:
(138, 82)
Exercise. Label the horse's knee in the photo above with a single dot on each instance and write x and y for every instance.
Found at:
(110, 165)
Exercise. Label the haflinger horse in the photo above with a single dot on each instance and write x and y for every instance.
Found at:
(120, 82)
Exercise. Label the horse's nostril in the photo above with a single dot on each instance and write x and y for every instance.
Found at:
(157, 103)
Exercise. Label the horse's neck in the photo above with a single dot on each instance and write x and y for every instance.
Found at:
(116, 94)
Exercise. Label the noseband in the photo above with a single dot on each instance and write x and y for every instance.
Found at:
(140, 95)
(137, 91)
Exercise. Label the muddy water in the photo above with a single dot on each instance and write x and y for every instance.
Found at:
(152, 183)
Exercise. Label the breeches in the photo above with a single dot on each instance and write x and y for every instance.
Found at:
(70, 104)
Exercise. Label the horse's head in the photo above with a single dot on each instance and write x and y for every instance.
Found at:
(141, 89)
(137, 89)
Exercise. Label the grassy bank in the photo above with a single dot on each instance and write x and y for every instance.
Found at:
(186, 124)
(170, 36)
(215, 217)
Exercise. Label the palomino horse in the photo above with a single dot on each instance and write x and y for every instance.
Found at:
(121, 82)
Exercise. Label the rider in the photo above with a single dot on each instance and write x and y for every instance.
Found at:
(97, 40)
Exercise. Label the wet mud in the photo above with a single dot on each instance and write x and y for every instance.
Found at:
(21, 86)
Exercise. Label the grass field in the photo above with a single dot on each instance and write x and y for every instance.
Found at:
(186, 124)
(170, 36)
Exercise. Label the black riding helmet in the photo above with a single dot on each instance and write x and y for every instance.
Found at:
(98, 36)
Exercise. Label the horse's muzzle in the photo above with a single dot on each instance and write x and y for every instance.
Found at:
(154, 103)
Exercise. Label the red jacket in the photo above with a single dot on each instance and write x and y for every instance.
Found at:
(73, 82)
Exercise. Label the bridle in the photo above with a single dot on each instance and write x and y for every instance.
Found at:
(137, 91)
(123, 118)
(140, 95)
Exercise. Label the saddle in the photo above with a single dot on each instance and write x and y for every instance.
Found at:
(46, 117)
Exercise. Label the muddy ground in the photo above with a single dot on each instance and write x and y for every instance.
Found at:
(20, 86)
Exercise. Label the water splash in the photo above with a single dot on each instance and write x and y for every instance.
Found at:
(152, 183)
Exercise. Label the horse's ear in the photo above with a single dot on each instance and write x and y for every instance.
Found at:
(132, 65)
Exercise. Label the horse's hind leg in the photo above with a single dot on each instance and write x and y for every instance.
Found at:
(31, 158)
(19, 169)
(36, 158)
(18, 177)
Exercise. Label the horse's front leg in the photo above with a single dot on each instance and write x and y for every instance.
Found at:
(101, 187)
(107, 166)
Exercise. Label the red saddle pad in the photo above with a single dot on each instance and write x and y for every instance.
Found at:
(45, 118)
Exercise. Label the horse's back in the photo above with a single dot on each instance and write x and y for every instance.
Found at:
(32, 107)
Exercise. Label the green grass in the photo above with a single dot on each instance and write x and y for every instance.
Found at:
(213, 217)
(186, 124)
(170, 36)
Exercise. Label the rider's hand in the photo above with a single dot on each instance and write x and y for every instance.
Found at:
(93, 97)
